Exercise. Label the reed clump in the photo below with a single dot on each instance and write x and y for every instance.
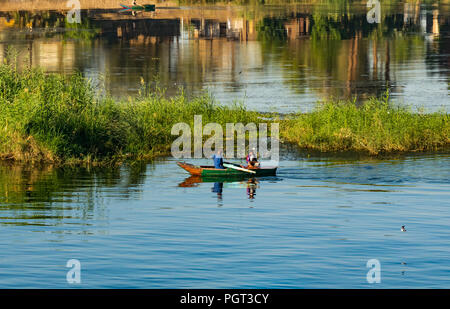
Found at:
(57, 118)
(376, 127)
(60, 119)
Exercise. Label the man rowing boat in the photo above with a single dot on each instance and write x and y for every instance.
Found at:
(252, 160)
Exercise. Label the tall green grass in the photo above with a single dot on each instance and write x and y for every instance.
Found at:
(375, 127)
(59, 118)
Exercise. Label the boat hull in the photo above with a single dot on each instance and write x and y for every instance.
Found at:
(145, 8)
(209, 171)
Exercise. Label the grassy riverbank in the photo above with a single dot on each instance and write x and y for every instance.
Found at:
(375, 127)
(55, 118)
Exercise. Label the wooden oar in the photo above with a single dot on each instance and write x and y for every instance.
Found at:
(232, 163)
(233, 166)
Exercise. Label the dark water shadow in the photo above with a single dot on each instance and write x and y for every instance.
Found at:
(44, 194)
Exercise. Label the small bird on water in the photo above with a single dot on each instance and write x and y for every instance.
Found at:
(403, 228)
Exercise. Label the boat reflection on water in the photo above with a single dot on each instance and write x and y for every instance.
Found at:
(248, 184)
(218, 188)
(252, 184)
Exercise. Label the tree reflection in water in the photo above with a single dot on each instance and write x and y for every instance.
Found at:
(313, 51)
(46, 195)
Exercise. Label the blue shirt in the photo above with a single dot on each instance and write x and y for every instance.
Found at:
(218, 161)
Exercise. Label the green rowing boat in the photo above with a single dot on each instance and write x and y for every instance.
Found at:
(145, 8)
(208, 171)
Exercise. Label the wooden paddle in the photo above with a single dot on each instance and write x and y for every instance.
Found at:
(236, 167)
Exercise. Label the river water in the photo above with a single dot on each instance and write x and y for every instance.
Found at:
(273, 57)
(315, 225)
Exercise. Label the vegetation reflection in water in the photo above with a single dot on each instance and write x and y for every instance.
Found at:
(44, 195)
(313, 50)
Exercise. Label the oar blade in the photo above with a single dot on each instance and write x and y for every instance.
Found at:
(233, 166)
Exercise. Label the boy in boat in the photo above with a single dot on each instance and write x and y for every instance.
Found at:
(252, 160)
(218, 159)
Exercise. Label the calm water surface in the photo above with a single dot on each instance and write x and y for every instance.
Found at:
(273, 57)
(314, 225)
